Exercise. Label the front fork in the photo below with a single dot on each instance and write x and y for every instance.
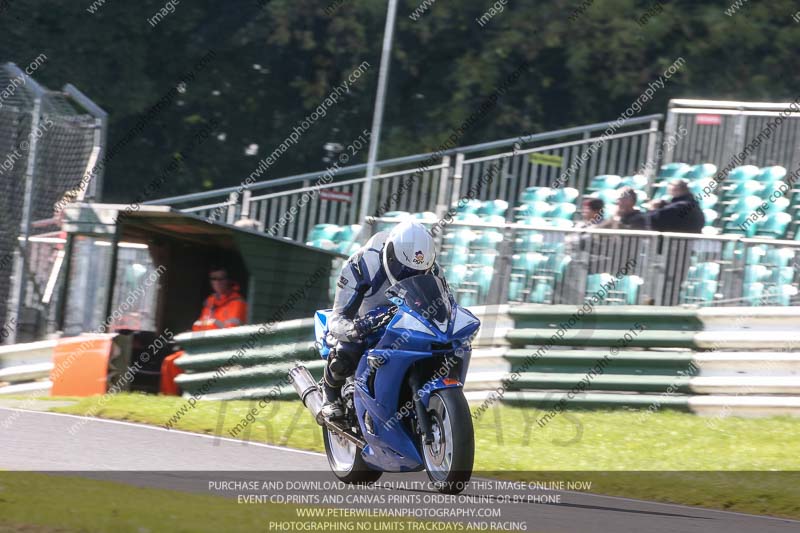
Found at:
(423, 419)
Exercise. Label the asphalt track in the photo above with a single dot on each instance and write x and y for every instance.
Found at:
(155, 457)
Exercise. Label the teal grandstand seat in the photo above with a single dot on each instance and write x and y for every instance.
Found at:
(493, 219)
(609, 196)
(542, 292)
(564, 195)
(606, 181)
(528, 241)
(323, 231)
(483, 279)
(706, 271)
(699, 292)
(563, 210)
(753, 293)
(779, 257)
(744, 188)
(699, 172)
(740, 223)
(469, 218)
(743, 173)
(536, 194)
(708, 201)
(711, 216)
(756, 273)
(483, 258)
(493, 207)
(557, 265)
(426, 216)
(487, 239)
(774, 189)
(638, 182)
(673, 170)
(745, 205)
(774, 225)
(563, 223)
(528, 263)
(348, 233)
(396, 214)
(470, 206)
(595, 282)
(755, 254)
(629, 287)
(769, 174)
(533, 209)
(460, 237)
(783, 275)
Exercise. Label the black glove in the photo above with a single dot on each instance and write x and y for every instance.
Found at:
(372, 320)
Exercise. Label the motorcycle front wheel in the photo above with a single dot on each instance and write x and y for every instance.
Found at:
(449, 458)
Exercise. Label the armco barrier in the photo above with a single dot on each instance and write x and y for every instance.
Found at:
(714, 361)
(240, 363)
(214, 372)
(25, 368)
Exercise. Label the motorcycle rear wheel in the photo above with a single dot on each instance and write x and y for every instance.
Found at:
(345, 460)
(449, 458)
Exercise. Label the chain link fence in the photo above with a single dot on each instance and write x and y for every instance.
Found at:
(49, 144)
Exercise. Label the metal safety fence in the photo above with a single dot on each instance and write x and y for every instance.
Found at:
(50, 142)
(489, 264)
(292, 206)
(737, 133)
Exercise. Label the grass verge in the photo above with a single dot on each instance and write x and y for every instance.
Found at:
(667, 456)
(65, 504)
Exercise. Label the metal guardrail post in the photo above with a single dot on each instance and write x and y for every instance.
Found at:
(100, 138)
(442, 197)
(455, 192)
(245, 213)
(651, 161)
(233, 199)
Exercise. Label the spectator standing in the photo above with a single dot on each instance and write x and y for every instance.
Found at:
(682, 214)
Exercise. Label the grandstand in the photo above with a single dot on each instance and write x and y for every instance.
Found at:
(513, 238)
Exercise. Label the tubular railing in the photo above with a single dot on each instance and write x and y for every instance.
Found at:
(716, 131)
(422, 182)
(544, 264)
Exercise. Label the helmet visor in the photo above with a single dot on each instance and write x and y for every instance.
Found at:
(398, 270)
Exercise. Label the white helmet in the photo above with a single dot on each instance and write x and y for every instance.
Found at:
(409, 250)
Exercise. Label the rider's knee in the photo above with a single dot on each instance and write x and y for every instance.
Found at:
(343, 359)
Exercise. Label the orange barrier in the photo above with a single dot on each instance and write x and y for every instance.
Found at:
(80, 365)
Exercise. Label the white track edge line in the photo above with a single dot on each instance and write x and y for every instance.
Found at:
(159, 428)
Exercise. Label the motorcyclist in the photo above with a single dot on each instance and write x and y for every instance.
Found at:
(360, 303)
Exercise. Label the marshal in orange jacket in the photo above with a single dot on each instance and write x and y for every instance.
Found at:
(219, 312)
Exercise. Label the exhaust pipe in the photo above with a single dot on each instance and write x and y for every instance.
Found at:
(306, 387)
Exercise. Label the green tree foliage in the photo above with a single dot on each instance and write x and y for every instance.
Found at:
(274, 62)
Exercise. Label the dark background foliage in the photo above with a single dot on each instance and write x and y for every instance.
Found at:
(276, 60)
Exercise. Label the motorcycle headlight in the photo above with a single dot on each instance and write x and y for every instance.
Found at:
(412, 323)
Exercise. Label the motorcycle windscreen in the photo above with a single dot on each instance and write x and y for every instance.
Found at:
(426, 295)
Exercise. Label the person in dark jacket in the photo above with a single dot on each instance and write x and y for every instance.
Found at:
(682, 214)
(628, 215)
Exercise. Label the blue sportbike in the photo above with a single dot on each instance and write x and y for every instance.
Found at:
(405, 409)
